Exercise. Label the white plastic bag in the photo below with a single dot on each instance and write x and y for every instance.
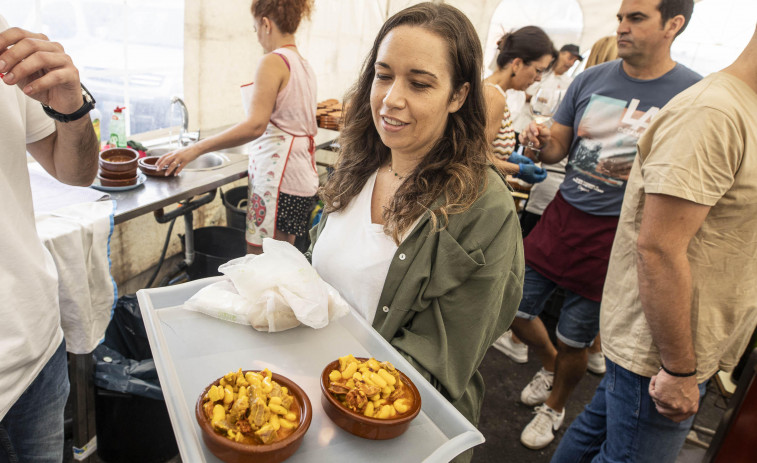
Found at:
(274, 291)
(220, 300)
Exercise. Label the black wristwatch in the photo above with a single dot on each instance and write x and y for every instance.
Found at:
(86, 107)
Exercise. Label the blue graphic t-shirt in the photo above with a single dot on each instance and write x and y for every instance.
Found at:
(609, 111)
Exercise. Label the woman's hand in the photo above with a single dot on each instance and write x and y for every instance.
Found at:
(531, 173)
(175, 161)
(535, 136)
(518, 158)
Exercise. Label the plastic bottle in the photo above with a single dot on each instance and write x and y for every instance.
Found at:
(95, 116)
(118, 128)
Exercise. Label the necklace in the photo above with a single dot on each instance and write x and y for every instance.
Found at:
(401, 177)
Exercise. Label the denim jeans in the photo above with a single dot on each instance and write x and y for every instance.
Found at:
(579, 317)
(32, 431)
(621, 424)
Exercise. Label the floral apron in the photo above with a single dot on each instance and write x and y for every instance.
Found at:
(268, 159)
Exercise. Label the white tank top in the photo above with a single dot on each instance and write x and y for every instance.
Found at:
(353, 254)
(504, 143)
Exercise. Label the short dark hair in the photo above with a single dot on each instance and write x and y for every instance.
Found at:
(672, 8)
(527, 43)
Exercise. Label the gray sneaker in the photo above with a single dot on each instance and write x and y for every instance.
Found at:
(541, 430)
(517, 351)
(538, 390)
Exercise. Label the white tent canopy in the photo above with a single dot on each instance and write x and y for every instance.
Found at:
(598, 15)
(221, 52)
(352, 26)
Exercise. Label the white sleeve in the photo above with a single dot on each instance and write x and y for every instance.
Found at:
(38, 124)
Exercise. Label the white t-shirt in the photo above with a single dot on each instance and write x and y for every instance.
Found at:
(353, 254)
(29, 316)
(551, 79)
(522, 118)
(516, 101)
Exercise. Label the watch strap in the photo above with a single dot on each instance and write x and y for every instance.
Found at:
(86, 107)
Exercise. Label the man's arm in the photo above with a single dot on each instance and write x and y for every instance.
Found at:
(667, 226)
(46, 73)
(554, 141)
(70, 153)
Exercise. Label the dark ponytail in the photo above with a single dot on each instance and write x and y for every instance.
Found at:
(527, 43)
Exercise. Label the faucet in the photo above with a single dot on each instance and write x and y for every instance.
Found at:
(184, 136)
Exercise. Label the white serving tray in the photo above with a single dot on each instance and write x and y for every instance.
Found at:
(191, 350)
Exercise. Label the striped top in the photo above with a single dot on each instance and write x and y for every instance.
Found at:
(504, 142)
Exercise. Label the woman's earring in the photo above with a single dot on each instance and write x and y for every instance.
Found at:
(512, 74)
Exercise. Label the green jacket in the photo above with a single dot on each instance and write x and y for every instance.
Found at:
(449, 295)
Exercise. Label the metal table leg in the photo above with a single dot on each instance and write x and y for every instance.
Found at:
(81, 377)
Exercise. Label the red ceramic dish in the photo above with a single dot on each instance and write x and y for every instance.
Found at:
(119, 159)
(120, 182)
(361, 425)
(235, 452)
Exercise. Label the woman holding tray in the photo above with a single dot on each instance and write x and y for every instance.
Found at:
(420, 233)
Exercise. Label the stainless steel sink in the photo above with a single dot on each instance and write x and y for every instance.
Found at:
(208, 161)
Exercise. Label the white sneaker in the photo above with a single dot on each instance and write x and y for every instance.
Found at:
(538, 390)
(540, 431)
(517, 351)
(596, 363)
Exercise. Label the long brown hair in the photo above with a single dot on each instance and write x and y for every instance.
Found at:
(454, 169)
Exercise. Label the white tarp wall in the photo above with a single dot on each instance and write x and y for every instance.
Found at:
(221, 50)
(341, 32)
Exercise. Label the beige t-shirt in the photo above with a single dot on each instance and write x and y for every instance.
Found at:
(701, 147)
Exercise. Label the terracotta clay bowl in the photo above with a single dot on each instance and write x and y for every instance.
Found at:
(147, 166)
(117, 183)
(359, 424)
(119, 159)
(117, 175)
(235, 452)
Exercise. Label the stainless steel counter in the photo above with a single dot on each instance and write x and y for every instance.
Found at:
(158, 192)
